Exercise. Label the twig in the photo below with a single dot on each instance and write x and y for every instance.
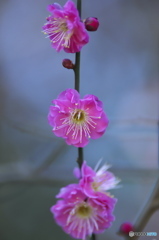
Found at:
(77, 85)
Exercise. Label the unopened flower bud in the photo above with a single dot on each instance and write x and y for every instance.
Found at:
(126, 227)
(91, 24)
(67, 63)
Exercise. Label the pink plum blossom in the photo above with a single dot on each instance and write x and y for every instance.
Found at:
(65, 28)
(94, 183)
(81, 216)
(76, 120)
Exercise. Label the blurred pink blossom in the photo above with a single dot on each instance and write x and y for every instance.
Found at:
(81, 216)
(76, 120)
(65, 29)
(93, 182)
(126, 227)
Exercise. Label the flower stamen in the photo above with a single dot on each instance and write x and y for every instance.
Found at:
(59, 32)
(79, 122)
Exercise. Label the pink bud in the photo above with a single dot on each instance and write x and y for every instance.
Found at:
(91, 24)
(67, 63)
(126, 227)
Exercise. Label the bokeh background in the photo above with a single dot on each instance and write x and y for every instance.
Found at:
(121, 66)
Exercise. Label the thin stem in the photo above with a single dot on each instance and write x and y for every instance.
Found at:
(93, 237)
(80, 157)
(77, 60)
(77, 72)
(77, 87)
(79, 6)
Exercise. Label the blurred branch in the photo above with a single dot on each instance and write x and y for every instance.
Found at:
(30, 129)
(11, 196)
(158, 140)
(31, 181)
(48, 161)
(148, 209)
(151, 205)
(135, 120)
(22, 183)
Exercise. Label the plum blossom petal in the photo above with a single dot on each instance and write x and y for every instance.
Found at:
(77, 172)
(65, 28)
(54, 6)
(76, 120)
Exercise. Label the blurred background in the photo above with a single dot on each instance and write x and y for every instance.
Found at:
(120, 65)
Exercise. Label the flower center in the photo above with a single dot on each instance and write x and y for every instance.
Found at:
(62, 27)
(84, 211)
(79, 123)
(95, 186)
(78, 116)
